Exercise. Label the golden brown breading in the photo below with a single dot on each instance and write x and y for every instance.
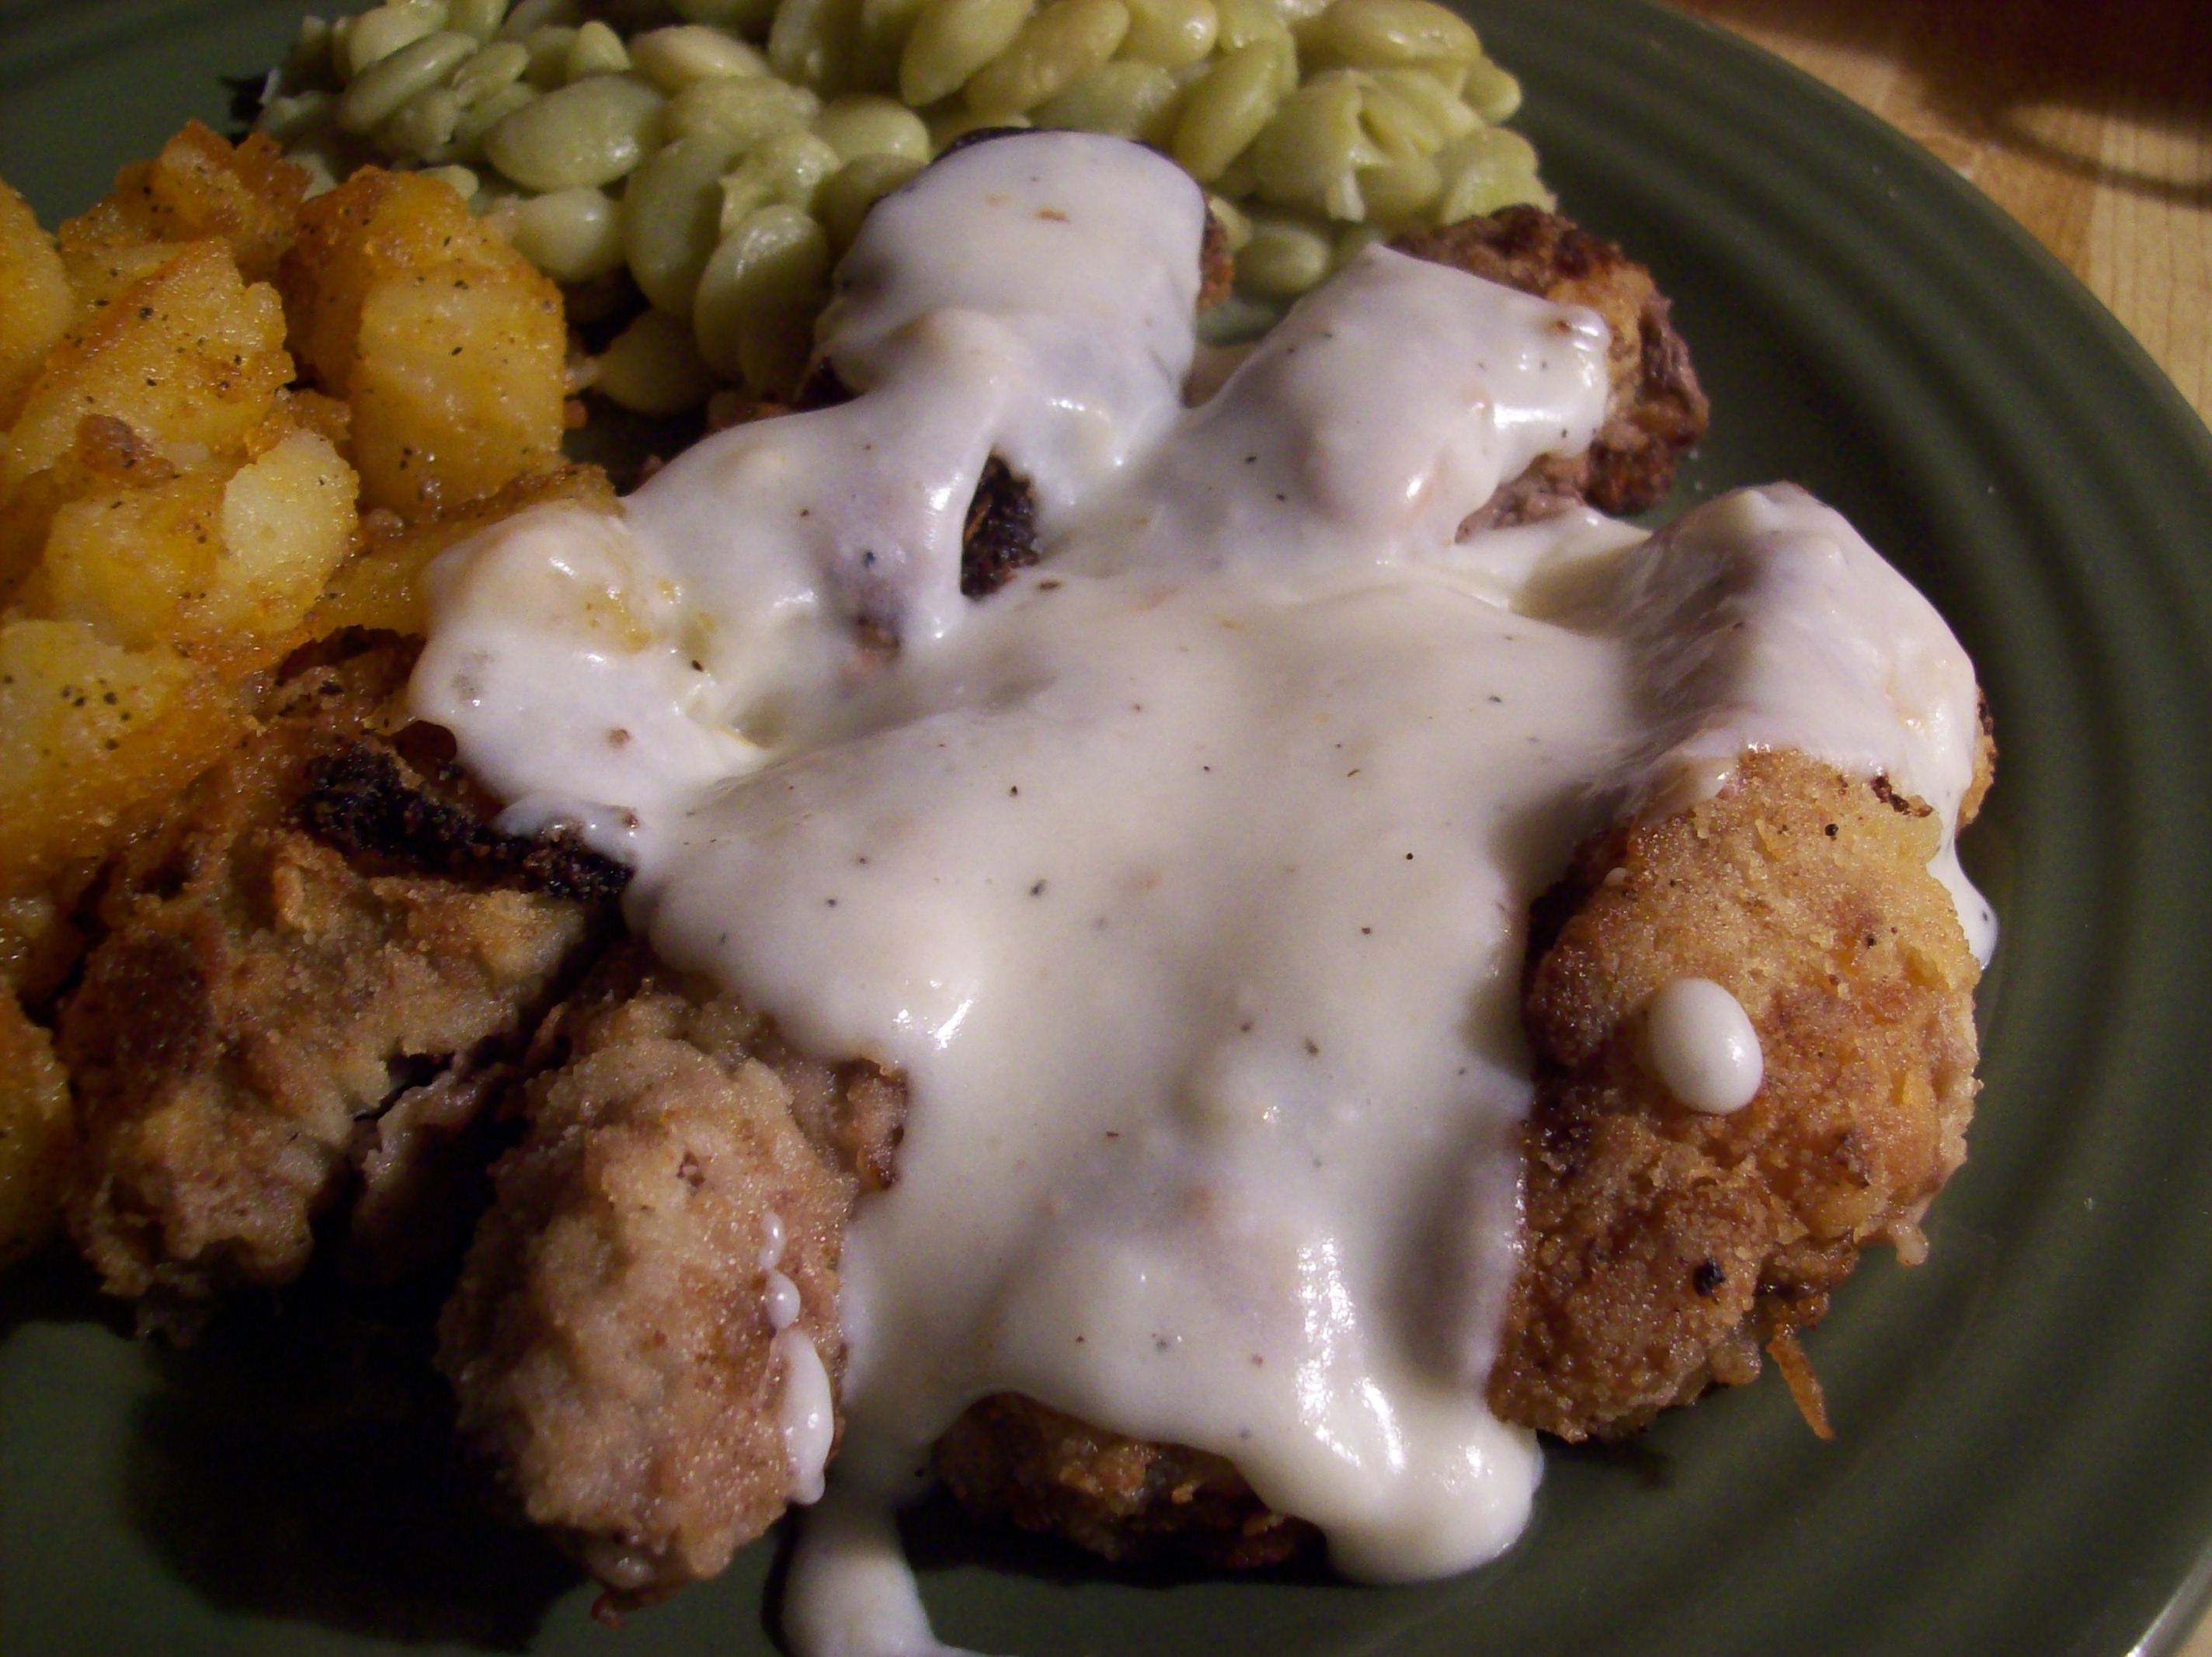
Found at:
(1655, 409)
(1010, 1457)
(258, 999)
(610, 1342)
(1663, 1246)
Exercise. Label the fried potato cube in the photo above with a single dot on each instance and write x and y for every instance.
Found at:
(128, 562)
(36, 1137)
(287, 523)
(219, 561)
(449, 346)
(35, 305)
(458, 386)
(199, 186)
(89, 733)
(187, 355)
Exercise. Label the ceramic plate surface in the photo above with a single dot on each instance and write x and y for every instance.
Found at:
(2024, 1453)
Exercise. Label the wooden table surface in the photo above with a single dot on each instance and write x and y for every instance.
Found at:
(2090, 124)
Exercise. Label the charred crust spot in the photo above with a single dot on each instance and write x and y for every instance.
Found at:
(1902, 805)
(361, 801)
(1000, 537)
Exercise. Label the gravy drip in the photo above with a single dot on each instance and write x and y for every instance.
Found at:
(1185, 879)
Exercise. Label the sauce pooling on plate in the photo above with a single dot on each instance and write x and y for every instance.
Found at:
(1186, 877)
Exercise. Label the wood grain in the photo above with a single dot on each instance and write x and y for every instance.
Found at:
(2091, 126)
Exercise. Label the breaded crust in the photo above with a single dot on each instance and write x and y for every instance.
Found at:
(1662, 1248)
(260, 999)
(610, 1342)
(1655, 411)
(1010, 1457)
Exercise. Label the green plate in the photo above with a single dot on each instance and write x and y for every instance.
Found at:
(2024, 1454)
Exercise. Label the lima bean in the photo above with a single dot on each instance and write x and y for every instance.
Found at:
(671, 216)
(758, 297)
(596, 49)
(847, 195)
(1124, 98)
(497, 65)
(810, 43)
(748, 108)
(739, 17)
(480, 18)
(375, 35)
(479, 118)
(1493, 94)
(421, 127)
(1284, 257)
(654, 367)
(1310, 154)
(418, 66)
(787, 169)
(1055, 49)
(1390, 34)
(864, 124)
(687, 53)
(1228, 109)
(592, 132)
(951, 39)
(1171, 32)
(533, 15)
(572, 235)
(1396, 192)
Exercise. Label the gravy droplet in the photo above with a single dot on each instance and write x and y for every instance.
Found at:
(1700, 1042)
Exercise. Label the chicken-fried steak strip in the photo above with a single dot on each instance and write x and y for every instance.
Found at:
(1654, 410)
(681, 1196)
(1662, 1247)
(261, 999)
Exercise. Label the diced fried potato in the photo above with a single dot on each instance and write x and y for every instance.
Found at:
(449, 346)
(130, 562)
(376, 226)
(107, 455)
(103, 254)
(199, 187)
(34, 301)
(458, 385)
(219, 561)
(288, 522)
(382, 589)
(90, 733)
(36, 1137)
(314, 412)
(188, 355)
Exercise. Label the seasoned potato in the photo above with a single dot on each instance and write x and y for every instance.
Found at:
(198, 187)
(35, 1135)
(221, 561)
(88, 733)
(449, 348)
(35, 300)
(187, 354)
